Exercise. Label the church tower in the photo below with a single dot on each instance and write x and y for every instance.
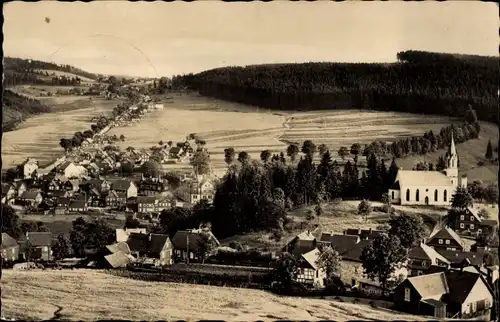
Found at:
(452, 166)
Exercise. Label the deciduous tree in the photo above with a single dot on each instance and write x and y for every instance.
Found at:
(409, 228)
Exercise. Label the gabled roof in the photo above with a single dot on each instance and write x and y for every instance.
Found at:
(425, 252)
(64, 165)
(447, 233)
(476, 258)
(8, 241)
(460, 284)
(157, 242)
(118, 259)
(63, 200)
(423, 178)
(431, 285)
(475, 212)
(121, 184)
(77, 204)
(312, 257)
(341, 243)
(489, 222)
(39, 238)
(112, 194)
(181, 237)
(119, 247)
(30, 195)
(138, 242)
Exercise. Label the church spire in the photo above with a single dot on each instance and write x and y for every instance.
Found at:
(453, 150)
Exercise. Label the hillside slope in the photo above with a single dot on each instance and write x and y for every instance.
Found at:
(91, 295)
(16, 108)
(420, 82)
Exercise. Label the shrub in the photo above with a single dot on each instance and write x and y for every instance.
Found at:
(480, 163)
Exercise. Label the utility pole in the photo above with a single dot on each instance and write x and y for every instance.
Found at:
(187, 247)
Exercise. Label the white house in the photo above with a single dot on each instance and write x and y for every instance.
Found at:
(70, 170)
(428, 187)
(308, 270)
(201, 188)
(29, 167)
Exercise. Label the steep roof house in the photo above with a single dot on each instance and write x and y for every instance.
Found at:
(186, 244)
(77, 206)
(308, 271)
(422, 257)
(32, 197)
(469, 221)
(126, 186)
(152, 246)
(41, 242)
(301, 244)
(29, 167)
(451, 294)
(9, 248)
(8, 193)
(446, 239)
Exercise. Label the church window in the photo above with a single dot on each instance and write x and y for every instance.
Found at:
(436, 195)
(407, 194)
(445, 196)
(417, 195)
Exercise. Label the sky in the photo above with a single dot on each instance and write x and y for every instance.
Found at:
(169, 38)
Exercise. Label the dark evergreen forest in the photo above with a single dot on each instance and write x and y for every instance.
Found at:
(420, 82)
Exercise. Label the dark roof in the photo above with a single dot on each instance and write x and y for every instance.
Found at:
(395, 186)
(63, 200)
(300, 247)
(434, 303)
(180, 240)
(138, 242)
(58, 193)
(489, 222)
(64, 165)
(157, 242)
(348, 246)
(174, 150)
(447, 233)
(146, 199)
(30, 195)
(460, 284)
(39, 238)
(476, 258)
(8, 241)
(77, 204)
(120, 185)
(354, 253)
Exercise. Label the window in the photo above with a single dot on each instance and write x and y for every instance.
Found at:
(471, 218)
(447, 241)
(445, 196)
(436, 195)
(393, 195)
(486, 304)
(451, 248)
(462, 225)
(407, 294)
(191, 255)
(471, 226)
(417, 195)
(474, 307)
(424, 263)
(419, 273)
(479, 230)
(407, 194)
(462, 217)
(440, 241)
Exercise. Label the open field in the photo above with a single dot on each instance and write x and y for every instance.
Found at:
(61, 73)
(90, 295)
(245, 128)
(39, 136)
(39, 91)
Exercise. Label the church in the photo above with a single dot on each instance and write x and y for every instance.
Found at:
(428, 187)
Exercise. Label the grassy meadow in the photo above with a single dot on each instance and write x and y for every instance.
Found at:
(39, 136)
(91, 295)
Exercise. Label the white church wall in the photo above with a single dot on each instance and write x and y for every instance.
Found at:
(426, 195)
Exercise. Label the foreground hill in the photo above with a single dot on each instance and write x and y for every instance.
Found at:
(91, 295)
(17, 107)
(420, 82)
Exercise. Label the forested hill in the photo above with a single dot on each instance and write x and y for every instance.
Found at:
(420, 82)
(18, 107)
(22, 71)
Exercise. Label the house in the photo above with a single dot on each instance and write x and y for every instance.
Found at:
(29, 168)
(95, 198)
(301, 244)
(124, 186)
(58, 211)
(470, 221)
(175, 152)
(59, 194)
(78, 206)
(115, 199)
(34, 198)
(20, 187)
(9, 248)
(41, 243)
(71, 185)
(8, 193)
(151, 246)
(118, 260)
(152, 186)
(452, 294)
(446, 239)
(422, 257)
(102, 185)
(201, 189)
(186, 244)
(70, 170)
(63, 202)
(122, 234)
(308, 271)
(428, 187)
(119, 247)
(149, 204)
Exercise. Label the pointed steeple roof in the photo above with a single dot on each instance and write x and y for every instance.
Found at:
(453, 150)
